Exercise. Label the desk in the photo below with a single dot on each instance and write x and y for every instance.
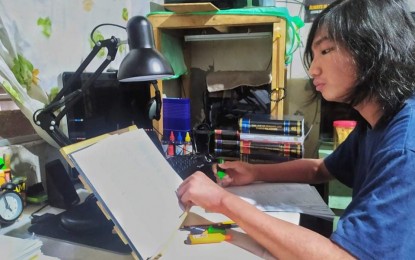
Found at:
(177, 250)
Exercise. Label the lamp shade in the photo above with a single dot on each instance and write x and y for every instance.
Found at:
(143, 62)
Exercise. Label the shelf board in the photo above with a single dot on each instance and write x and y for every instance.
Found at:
(191, 7)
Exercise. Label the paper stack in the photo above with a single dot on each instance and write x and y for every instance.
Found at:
(286, 197)
(21, 249)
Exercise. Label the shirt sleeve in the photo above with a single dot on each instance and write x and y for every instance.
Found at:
(378, 223)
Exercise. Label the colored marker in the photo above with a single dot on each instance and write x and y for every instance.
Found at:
(206, 238)
(212, 230)
(221, 172)
(222, 225)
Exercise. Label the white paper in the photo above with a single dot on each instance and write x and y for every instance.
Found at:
(18, 248)
(288, 197)
(137, 186)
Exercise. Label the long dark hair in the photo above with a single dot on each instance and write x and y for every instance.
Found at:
(380, 36)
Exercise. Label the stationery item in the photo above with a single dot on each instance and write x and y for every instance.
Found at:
(18, 248)
(221, 172)
(207, 238)
(288, 197)
(212, 230)
(221, 225)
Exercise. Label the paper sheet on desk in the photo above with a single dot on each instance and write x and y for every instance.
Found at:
(18, 248)
(288, 197)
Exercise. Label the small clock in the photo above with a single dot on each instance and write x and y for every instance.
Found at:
(11, 206)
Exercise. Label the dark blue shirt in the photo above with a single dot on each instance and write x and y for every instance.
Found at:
(379, 164)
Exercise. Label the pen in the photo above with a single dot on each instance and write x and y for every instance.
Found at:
(212, 230)
(221, 172)
(206, 238)
(220, 225)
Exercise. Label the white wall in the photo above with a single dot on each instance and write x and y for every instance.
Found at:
(411, 4)
(65, 49)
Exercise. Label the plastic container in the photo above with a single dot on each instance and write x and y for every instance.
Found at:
(342, 129)
(188, 146)
(179, 144)
(176, 115)
(170, 148)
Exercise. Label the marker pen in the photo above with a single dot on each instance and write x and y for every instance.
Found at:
(221, 172)
(221, 225)
(206, 238)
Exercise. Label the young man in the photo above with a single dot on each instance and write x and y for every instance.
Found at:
(359, 52)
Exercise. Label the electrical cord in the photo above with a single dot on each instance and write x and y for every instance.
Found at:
(103, 24)
(39, 209)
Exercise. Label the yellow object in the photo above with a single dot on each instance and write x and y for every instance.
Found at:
(342, 128)
(207, 238)
(5, 176)
(2, 177)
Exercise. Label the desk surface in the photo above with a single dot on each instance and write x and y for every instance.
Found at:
(241, 246)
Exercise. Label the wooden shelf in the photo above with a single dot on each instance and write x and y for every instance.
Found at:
(180, 21)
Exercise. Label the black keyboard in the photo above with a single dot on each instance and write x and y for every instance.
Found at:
(186, 165)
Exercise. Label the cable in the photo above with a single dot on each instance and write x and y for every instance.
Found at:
(104, 24)
(158, 132)
(33, 214)
(291, 2)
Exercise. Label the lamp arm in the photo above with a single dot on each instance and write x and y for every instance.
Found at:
(46, 119)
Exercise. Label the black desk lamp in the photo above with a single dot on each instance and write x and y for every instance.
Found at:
(142, 63)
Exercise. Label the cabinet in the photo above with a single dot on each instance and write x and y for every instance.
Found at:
(178, 23)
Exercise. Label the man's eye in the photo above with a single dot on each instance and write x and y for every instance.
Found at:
(325, 51)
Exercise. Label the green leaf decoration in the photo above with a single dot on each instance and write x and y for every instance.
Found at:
(97, 37)
(53, 92)
(122, 48)
(22, 70)
(8, 87)
(46, 25)
(124, 14)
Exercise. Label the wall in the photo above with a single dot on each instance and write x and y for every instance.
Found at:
(63, 44)
(54, 36)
